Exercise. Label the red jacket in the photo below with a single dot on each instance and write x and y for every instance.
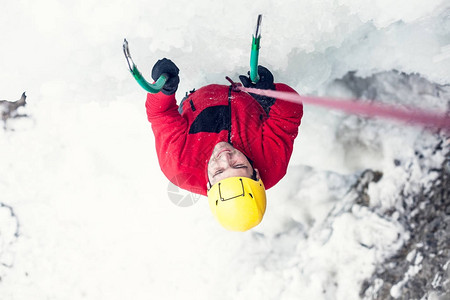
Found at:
(214, 113)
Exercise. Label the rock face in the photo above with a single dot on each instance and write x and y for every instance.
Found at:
(9, 232)
(421, 268)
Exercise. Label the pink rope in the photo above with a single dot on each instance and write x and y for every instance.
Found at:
(411, 115)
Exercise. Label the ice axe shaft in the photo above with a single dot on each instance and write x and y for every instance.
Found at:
(256, 39)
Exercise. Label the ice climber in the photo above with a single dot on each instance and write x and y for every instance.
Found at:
(224, 143)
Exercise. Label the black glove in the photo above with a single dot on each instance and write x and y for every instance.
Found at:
(265, 83)
(167, 66)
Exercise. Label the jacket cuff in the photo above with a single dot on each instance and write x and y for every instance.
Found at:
(158, 103)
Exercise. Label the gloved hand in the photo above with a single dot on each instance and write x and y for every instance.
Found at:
(265, 83)
(167, 66)
(265, 80)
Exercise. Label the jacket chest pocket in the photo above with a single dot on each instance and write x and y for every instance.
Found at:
(212, 119)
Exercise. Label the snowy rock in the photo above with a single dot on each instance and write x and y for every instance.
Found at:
(420, 268)
(414, 190)
(9, 232)
(11, 109)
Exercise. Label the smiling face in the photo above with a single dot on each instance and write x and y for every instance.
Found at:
(226, 161)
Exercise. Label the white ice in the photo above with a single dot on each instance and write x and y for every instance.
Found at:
(82, 177)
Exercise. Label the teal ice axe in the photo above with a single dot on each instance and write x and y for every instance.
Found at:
(255, 51)
(159, 84)
(149, 87)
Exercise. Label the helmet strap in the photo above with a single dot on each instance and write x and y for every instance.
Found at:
(209, 183)
(249, 160)
(254, 175)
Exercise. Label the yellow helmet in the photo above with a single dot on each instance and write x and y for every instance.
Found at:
(238, 203)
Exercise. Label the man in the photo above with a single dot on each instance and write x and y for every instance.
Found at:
(224, 143)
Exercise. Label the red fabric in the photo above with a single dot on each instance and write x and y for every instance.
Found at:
(266, 140)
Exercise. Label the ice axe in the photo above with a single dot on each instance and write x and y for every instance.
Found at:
(255, 51)
(152, 88)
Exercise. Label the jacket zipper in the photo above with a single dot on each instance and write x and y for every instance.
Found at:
(229, 108)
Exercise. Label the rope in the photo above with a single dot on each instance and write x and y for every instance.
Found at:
(411, 115)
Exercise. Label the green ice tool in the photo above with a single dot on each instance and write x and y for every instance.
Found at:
(149, 87)
(255, 51)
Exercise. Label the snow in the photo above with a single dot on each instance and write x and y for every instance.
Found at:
(82, 178)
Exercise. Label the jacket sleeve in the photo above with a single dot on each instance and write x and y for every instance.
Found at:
(169, 128)
(279, 133)
(284, 114)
